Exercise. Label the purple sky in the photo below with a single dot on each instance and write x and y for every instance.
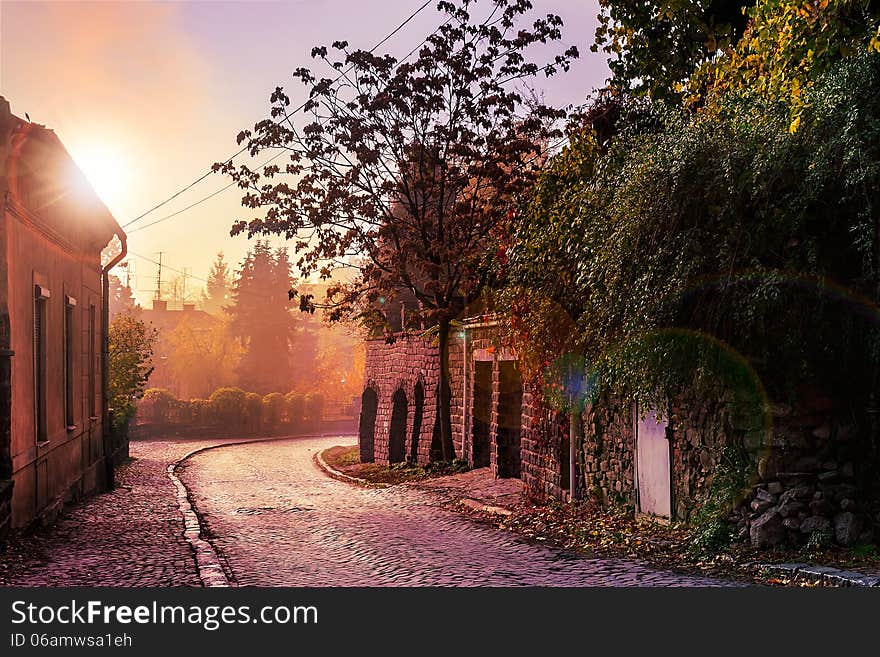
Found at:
(148, 95)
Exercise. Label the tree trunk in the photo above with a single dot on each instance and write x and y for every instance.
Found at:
(445, 406)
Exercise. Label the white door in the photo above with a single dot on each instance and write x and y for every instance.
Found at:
(652, 465)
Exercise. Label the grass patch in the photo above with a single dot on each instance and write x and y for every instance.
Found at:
(347, 461)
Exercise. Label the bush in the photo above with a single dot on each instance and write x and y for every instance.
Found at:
(253, 411)
(155, 406)
(200, 411)
(228, 406)
(295, 408)
(273, 410)
(314, 407)
(180, 412)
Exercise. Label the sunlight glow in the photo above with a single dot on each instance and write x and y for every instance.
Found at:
(106, 170)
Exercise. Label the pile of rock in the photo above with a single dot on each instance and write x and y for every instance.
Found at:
(817, 500)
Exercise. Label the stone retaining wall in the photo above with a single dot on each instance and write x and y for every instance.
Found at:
(790, 474)
(402, 365)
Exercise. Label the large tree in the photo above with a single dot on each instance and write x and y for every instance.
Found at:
(130, 364)
(405, 170)
(261, 321)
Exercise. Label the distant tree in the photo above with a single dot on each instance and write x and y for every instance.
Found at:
(261, 320)
(217, 289)
(201, 358)
(121, 299)
(130, 364)
(181, 290)
(407, 169)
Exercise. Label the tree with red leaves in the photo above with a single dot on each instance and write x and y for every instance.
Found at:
(405, 171)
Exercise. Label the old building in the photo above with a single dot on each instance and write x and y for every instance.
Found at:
(788, 471)
(496, 421)
(54, 442)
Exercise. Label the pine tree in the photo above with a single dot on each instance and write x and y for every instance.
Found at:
(217, 289)
(121, 298)
(261, 319)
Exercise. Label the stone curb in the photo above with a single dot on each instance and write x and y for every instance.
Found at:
(476, 505)
(208, 564)
(824, 573)
(336, 474)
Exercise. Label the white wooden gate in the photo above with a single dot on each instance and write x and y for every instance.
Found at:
(652, 465)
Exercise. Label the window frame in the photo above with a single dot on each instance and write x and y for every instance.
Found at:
(69, 362)
(40, 351)
(93, 362)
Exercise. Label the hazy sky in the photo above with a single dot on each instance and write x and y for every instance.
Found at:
(147, 95)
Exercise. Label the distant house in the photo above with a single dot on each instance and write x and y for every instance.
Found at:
(166, 321)
(54, 442)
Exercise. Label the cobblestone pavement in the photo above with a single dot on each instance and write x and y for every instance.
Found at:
(279, 521)
(131, 536)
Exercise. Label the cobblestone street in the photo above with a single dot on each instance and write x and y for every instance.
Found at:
(132, 536)
(279, 521)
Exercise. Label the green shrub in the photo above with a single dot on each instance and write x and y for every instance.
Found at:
(253, 410)
(155, 406)
(295, 408)
(228, 406)
(314, 407)
(200, 411)
(273, 409)
(711, 537)
(180, 412)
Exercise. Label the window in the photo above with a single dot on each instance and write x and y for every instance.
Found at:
(41, 295)
(93, 406)
(69, 347)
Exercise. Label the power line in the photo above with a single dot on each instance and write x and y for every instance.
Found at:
(184, 272)
(286, 116)
(199, 202)
(225, 187)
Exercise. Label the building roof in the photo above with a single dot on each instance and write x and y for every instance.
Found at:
(167, 320)
(41, 176)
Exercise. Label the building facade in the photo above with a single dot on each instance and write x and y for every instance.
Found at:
(54, 442)
(497, 421)
(790, 470)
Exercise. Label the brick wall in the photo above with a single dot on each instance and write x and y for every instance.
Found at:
(402, 365)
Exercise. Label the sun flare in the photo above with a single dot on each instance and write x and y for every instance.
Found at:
(106, 170)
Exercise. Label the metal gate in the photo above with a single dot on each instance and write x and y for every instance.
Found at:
(652, 465)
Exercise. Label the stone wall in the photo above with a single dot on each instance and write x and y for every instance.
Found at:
(809, 486)
(789, 474)
(402, 365)
(608, 452)
(545, 450)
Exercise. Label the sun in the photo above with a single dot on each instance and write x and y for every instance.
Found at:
(106, 169)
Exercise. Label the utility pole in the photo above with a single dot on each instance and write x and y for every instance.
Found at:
(159, 277)
(186, 271)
